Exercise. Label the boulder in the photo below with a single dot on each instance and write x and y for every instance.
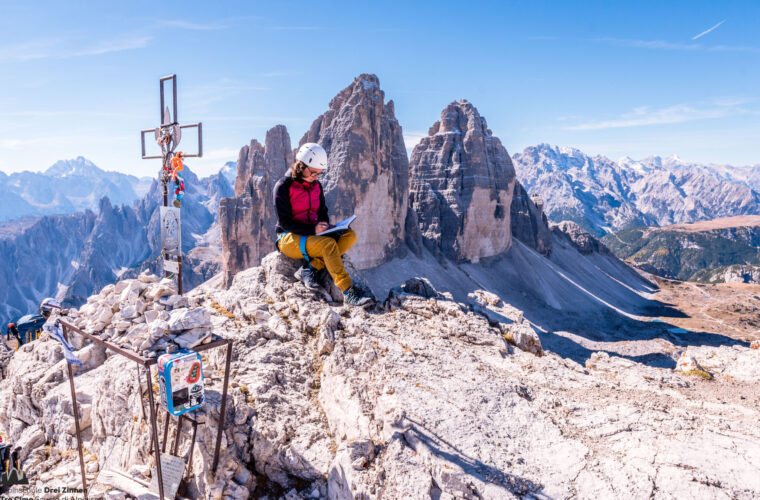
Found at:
(186, 319)
(583, 241)
(462, 182)
(525, 337)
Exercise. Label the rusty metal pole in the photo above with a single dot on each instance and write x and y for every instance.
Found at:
(166, 432)
(140, 393)
(175, 448)
(179, 273)
(154, 428)
(76, 419)
(192, 446)
(224, 407)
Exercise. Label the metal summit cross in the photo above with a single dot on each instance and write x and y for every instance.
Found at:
(168, 136)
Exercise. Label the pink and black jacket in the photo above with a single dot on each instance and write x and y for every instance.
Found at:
(300, 205)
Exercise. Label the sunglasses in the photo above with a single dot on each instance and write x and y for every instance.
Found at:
(313, 172)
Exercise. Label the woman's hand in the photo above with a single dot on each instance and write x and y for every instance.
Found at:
(322, 226)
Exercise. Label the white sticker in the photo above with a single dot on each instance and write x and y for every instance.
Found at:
(171, 266)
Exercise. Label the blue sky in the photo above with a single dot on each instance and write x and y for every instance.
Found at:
(613, 78)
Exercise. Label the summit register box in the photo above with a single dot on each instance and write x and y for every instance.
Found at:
(180, 377)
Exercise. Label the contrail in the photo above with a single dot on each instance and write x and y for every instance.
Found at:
(709, 30)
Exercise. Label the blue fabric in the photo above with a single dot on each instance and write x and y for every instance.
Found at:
(303, 249)
(68, 350)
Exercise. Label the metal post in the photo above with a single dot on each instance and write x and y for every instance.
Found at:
(192, 445)
(224, 407)
(175, 448)
(76, 419)
(166, 432)
(139, 393)
(179, 273)
(154, 428)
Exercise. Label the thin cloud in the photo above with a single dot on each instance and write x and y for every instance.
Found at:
(188, 25)
(707, 30)
(647, 115)
(666, 45)
(295, 28)
(55, 49)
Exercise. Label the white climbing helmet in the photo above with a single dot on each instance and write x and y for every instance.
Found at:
(47, 305)
(313, 155)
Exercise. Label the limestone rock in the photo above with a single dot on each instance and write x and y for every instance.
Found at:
(368, 169)
(247, 221)
(529, 223)
(525, 338)
(185, 319)
(418, 397)
(583, 241)
(462, 185)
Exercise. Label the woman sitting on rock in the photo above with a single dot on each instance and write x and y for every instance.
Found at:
(302, 214)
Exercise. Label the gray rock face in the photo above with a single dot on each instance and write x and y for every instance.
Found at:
(368, 170)
(529, 223)
(462, 185)
(605, 196)
(583, 241)
(247, 221)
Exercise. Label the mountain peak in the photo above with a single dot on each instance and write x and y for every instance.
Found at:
(79, 166)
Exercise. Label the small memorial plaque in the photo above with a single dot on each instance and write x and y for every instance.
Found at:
(171, 266)
(172, 469)
(170, 230)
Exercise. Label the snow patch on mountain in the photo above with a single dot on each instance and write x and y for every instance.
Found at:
(603, 196)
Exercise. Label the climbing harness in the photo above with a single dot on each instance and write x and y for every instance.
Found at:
(302, 244)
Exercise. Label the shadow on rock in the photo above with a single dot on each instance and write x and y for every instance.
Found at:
(416, 434)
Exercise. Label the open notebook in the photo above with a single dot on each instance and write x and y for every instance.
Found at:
(339, 227)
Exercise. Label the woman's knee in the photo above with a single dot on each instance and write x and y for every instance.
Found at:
(348, 239)
(329, 246)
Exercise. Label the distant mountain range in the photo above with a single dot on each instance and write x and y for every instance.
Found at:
(67, 187)
(604, 196)
(69, 256)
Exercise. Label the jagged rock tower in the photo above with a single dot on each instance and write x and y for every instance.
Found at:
(368, 170)
(247, 221)
(462, 186)
(529, 222)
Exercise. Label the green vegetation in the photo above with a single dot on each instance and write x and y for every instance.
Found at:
(688, 256)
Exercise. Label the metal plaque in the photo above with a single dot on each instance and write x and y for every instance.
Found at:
(171, 266)
(172, 470)
(171, 238)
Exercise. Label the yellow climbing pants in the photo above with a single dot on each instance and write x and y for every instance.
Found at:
(323, 251)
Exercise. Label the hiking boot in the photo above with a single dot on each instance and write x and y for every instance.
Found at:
(355, 296)
(306, 275)
(323, 278)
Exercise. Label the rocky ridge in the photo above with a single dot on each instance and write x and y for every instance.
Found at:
(421, 396)
(68, 186)
(604, 196)
(709, 255)
(71, 256)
